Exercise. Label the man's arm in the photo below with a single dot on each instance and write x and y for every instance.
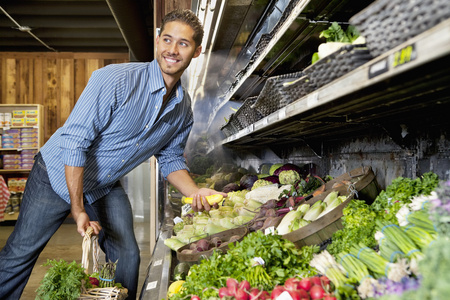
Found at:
(74, 179)
(183, 182)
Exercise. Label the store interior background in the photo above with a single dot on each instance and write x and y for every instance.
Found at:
(92, 34)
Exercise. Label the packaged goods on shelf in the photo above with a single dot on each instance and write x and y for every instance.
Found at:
(18, 114)
(31, 113)
(18, 122)
(11, 133)
(31, 121)
(6, 120)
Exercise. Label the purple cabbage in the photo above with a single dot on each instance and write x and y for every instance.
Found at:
(272, 178)
(247, 181)
(287, 167)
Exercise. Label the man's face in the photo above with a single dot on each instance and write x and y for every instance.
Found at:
(176, 48)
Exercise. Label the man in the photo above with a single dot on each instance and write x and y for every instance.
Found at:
(127, 113)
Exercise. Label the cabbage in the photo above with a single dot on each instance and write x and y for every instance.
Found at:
(289, 177)
(274, 167)
(213, 229)
(247, 181)
(241, 220)
(266, 193)
(252, 204)
(227, 222)
(173, 243)
(288, 167)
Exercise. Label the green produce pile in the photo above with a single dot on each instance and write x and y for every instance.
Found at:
(281, 258)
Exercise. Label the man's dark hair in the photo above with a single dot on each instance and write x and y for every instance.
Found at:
(188, 17)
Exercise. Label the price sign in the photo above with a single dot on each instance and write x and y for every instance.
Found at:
(185, 209)
(152, 285)
(404, 56)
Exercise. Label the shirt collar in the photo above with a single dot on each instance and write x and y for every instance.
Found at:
(158, 82)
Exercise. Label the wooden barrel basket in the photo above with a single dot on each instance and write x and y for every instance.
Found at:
(359, 183)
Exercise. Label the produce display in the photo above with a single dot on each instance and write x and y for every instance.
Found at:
(393, 248)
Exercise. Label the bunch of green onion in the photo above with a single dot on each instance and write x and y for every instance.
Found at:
(325, 263)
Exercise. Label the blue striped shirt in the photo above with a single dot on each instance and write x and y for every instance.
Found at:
(116, 125)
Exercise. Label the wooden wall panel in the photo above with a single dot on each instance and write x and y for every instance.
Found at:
(55, 80)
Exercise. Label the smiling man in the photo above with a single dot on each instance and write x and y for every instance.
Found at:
(126, 114)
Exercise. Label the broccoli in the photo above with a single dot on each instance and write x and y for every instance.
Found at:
(289, 177)
(260, 182)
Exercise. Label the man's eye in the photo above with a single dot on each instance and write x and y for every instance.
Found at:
(167, 40)
(183, 44)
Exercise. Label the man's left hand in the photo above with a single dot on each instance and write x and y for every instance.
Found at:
(199, 202)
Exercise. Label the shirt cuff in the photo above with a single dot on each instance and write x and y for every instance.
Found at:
(74, 158)
(173, 166)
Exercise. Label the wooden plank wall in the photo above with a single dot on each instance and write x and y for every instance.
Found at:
(54, 80)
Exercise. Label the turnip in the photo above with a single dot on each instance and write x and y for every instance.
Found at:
(195, 297)
(316, 280)
(202, 245)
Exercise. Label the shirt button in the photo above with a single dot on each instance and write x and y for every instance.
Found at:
(109, 175)
(156, 106)
(123, 160)
(137, 144)
(146, 126)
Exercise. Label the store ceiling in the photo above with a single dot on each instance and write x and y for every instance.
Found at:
(74, 26)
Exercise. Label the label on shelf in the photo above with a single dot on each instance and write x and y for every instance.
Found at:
(152, 285)
(378, 68)
(404, 56)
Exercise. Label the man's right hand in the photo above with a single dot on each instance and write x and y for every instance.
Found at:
(83, 222)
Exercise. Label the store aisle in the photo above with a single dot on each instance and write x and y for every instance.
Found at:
(66, 244)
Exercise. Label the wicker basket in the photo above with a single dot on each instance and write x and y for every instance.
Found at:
(276, 95)
(388, 23)
(338, 63)
(97, 293)
(247, 115)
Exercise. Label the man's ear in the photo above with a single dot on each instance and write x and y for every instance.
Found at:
(197, 51)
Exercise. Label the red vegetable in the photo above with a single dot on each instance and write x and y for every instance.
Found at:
(195, 297)
(305, 284)
(224, 292)
(325, 281)
(241, 295)
(316, 292)
(292, 284)
(277, 291)
(329, 297)
(232, 285)
(299, 295)
(316, 280)
(244, 285)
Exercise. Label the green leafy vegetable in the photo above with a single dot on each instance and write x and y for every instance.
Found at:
(63, 280)
(335, 33)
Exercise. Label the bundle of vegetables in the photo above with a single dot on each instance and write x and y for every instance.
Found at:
(435, 264)
(378, 265)
(107, 274)
(279, 260)
(63, 280)
(397, 236)
(359, 226)
(304, 187)
(325, 263)
(358, 274)
(400, 192)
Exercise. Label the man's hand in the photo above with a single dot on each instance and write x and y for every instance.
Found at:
(199, 202)
(83, 222)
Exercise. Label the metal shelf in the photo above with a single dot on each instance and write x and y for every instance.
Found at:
(383, 87)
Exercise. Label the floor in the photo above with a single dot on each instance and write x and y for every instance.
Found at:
(66, 244)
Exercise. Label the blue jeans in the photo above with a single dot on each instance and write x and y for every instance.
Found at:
(41, 214)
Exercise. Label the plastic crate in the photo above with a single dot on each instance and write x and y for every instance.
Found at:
(386, 24)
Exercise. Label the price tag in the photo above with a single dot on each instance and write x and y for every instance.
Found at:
(177, 220)
(269, 230)
(404, 56)
(151, 285)
(284, 296)
(378, 68)
(157, 262)
(185, 209)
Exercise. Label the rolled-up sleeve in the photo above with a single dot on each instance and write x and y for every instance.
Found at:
(90, 114)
